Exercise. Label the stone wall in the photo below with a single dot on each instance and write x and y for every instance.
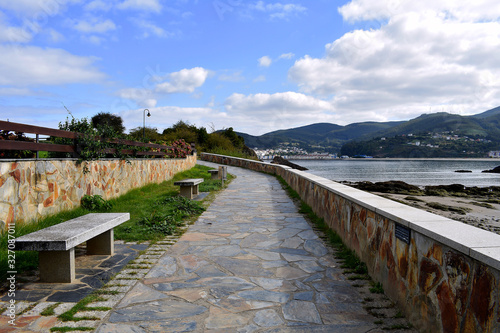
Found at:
(446, 278)
(30, 189)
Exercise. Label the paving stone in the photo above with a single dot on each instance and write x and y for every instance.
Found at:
(166, 266)
(309, 266)
(304, 296)
(243, 267)
(157, 310)
(70, 296)
(315, 247)
(268, 318)
(220, 319)
(119, 328)
(301, 311)
(264, 295)
(140, 293)
(268, 284)
(170, 326)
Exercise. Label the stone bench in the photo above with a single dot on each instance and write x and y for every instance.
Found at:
(189, 187)
(214, 173)
(56, 244)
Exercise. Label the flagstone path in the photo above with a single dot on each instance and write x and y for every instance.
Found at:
(250, 263)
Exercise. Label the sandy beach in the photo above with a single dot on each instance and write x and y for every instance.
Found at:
(469, 209)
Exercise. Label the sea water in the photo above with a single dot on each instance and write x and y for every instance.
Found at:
(418, 172)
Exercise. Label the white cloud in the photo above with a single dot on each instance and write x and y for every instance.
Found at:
(141, 96)
(278, 10)
(11, 91)
(261, 113)
(43, 66)
(362, 10)
(183, 81)
(143, 5)
(265, 61)
(260, 78)
(150, 29)
(232, 77)
(94, 25)
(286, 56)
(31, 7)
(98, 5)
(14, 34)
(415, 60)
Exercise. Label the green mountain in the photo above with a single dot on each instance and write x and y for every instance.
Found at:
(428, 129)
(321, 136)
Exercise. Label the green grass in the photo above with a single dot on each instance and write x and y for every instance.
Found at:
(145, 204)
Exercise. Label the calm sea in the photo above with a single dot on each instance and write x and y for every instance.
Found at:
(416, 172)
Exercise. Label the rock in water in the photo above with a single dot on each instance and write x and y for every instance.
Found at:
(463, 171)
(280, 160)
(495, 170)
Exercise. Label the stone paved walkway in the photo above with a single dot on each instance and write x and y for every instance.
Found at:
(251, 263)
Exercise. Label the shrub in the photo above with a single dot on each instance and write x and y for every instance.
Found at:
(95, 203)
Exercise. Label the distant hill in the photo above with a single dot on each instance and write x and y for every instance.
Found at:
(331, 137)
(328, 136)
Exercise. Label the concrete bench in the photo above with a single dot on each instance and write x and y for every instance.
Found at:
(214, 173)
(189, 187)
(56, 244)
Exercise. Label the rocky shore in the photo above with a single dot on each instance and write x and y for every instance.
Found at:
(477, 206)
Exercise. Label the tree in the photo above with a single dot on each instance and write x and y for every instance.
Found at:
(107, 119)
(151, 133)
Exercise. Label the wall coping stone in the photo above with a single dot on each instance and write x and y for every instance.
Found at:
(477, 243)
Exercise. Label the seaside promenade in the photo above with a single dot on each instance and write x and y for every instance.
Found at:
(250, 263)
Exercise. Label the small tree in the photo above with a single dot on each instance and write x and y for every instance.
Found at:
(151, 133)
(108, 119)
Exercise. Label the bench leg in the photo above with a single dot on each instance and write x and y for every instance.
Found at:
(187, 192)
(214, 176)
(195, 190)
(57, 266)
(102, 244)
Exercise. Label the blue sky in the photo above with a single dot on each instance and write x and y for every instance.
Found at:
(256, 66)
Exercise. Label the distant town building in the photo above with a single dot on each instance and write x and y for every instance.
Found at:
(494, 154)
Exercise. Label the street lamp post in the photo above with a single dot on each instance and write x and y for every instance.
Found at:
(144, 123)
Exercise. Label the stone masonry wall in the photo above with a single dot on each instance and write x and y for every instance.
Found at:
(447, 279)
(30, 189)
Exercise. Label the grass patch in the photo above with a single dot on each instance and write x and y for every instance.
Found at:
(153, 202)
(376, 288)
(446, 208)
(411, 198)
(482, 204)
(49, 311)
(350, 261)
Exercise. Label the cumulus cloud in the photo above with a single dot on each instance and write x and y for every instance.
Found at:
(265, 61)
(414, 60)
(261, 113)
(141, 96)
(45, 66)
(183, 81)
